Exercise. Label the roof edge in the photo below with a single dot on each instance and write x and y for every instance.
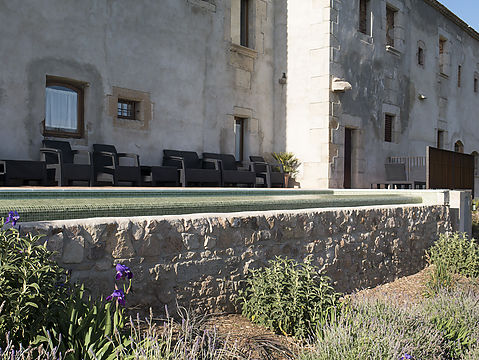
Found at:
(454, 18)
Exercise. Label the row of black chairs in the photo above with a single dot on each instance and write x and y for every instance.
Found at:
(63, 166)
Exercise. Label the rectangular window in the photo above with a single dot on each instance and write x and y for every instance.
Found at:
(244, 30)
(420, 56)
(459, 73)
(364, 17)
(127, 109)
(239, 138)
(440, 139)
(388, 127)
(240, 22)
(63, 108)
(442, 55)
(476, 84)
(390, 23)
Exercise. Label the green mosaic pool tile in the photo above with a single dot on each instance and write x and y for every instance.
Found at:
(76, 208)
(94, 193)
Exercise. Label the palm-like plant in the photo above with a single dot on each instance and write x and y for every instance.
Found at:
(289, 161)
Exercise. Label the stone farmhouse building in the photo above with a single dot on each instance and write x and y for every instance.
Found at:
(344, 84)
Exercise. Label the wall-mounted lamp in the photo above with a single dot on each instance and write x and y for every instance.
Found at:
(422, 97)
(340, 85)
(283, 80)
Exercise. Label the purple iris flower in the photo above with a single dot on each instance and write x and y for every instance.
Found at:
(123, 271)
(407, 357)
(119, 295)
(12, 217)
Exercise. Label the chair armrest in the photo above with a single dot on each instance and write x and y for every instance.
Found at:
(178, 158)
(52, 151)
(107, 154)
(86, 152)
(262, 163)
(135, 157)
(218, 163)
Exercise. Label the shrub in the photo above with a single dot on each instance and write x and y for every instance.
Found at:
(32, 286)
(452, 254)
(288, 297)
(289, 161)
(443, 327)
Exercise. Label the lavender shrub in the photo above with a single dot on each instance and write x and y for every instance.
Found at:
(442, 327)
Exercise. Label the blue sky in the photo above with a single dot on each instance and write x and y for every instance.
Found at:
(467, 10)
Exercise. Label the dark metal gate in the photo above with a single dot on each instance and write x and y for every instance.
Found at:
(449, 170)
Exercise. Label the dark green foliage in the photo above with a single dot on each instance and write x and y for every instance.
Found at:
(32, 286)
(86, 327)
(289, 297)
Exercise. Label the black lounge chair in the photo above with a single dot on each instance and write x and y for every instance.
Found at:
(107, 168)
(193, 169)
(160, 175)
(230, 173)
(266, 171)
(61, 166)
(22, 172)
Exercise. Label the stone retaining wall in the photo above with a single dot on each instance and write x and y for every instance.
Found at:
(201, 259)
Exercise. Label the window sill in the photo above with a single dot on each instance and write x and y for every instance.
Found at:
(244, 51)
(393, 50)
(365, 37)
(61, 134)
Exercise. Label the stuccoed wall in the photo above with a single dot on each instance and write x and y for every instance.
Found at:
(201, 259)
(177, 52)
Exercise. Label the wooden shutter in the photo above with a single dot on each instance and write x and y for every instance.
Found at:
(388, 128)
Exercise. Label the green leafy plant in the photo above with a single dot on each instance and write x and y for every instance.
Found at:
(32, 285)
(85, 328)
(454, 254)
(290, 298)
(289, 161)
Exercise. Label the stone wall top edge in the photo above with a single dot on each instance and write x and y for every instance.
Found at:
(248, 214)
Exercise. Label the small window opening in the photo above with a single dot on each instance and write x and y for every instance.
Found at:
(127, 109)
(459, 73)
(390, 24)
(388, 128)
(420, 56)
(442, 55)
(476, 84)
(364, 17)
(244, 30)
(239, 138)
(459, 146)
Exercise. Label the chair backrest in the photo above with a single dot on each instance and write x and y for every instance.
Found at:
(104, 160)
(191, 159)
(395, 172)
(258, 167)
(228, 160)
(63, 146)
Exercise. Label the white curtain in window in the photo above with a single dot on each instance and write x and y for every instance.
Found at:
(61, 109)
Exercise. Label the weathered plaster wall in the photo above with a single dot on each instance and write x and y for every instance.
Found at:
(179, 52)
(201, 259)
(390, 82)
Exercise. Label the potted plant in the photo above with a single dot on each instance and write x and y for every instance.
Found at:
(290, 164)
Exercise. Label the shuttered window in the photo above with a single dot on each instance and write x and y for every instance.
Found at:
(388, 128)
(363, 14)
(390, 17)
